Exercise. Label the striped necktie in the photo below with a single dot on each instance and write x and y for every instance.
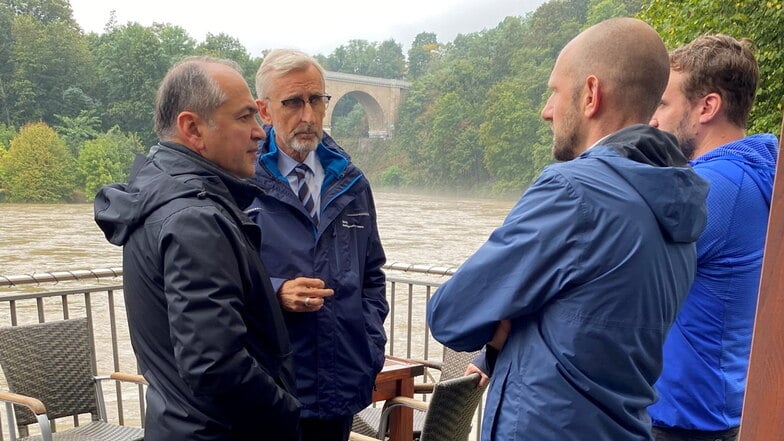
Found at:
(303, 191)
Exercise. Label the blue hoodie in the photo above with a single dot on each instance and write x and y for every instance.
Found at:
(590, 266)
(707, 352)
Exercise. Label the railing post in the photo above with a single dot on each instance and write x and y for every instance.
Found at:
(763, 406)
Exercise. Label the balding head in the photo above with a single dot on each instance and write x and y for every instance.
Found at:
(610, 76)
(629, 58)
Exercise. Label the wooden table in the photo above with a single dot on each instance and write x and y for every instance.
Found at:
(397, 379)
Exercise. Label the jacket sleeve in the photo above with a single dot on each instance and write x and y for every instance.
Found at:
(375, 306)
(204, 293)
(524, 264)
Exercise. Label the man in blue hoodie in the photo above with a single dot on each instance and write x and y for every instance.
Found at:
(706, 105)
(586, 274)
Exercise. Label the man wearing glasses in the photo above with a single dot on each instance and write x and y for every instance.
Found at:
(321, 246)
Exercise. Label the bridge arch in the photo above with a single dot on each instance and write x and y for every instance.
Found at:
(380, 98)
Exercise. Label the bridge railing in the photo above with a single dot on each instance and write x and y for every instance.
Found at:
(97, 295)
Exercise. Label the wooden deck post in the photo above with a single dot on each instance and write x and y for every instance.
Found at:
(763, 406)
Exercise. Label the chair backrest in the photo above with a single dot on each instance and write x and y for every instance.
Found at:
(455, 363)
(53, 363)
(451, 409)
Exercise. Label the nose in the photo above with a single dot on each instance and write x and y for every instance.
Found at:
(547, 111)
(654, 122)
(308, 113)
(257, 132)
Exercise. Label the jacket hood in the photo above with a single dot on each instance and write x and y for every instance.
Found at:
(757, 155)
(170, 171)
(659, 172)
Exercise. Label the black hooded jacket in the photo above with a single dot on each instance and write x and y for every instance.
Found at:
(205, 322)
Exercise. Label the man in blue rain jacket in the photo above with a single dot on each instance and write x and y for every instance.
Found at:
(586, 274)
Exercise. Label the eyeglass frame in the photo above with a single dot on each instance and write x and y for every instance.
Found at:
(297, 103)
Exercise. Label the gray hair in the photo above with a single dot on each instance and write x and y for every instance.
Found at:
(280, 62)
(188, 86)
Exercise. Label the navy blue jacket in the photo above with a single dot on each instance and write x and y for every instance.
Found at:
(590, 266)
(339, 349)
(205, 324)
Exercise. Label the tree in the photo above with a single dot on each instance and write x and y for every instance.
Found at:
(7, 133)
(423, 49)
(76, 130)
(513, 152)
(130, 80)
(176, 44)
(351, 124)
(107, 159)
(38, 167)
(600, 10)
(44, 11)
(225, 46)
(680, 22)
(48, 58)
(389, 61)
(6, 63)
(354, 58)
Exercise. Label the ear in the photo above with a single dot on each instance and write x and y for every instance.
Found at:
(592, 96)
(264, 113)
(710, 107)
(189, 128)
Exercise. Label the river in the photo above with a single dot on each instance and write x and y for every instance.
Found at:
(417, 229)
(414, 228)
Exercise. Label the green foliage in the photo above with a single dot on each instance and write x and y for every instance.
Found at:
(175, 42)
(226, 46)
(423, 50)
(38, 167)
(679, 22)
(44, 11)
(48, 59)
(361, 57)
(129, 81)
(107, 159)
(7, 133)
(352, 124)
(514, 151)
(75, 131)
(393, 176)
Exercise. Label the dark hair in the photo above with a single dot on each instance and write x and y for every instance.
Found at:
(719, 64)
(188, 86)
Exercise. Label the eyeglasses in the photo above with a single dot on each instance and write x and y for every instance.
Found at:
(317, 102)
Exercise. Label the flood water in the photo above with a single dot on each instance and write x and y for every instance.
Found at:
(414, 228)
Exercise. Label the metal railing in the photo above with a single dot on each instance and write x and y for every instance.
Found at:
(98, 297)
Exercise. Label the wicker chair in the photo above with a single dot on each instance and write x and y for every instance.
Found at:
(448, 415)
(50, 374)
(454, 364)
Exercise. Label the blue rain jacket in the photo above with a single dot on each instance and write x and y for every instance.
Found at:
(706, 354)
(590, 266)
(339, 349)
(205, 324)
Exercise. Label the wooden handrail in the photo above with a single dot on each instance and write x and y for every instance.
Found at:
(763, 405)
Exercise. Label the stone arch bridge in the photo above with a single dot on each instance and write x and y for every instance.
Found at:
(380, 99)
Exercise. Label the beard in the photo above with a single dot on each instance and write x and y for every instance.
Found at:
(304, 146)
(566, 139)
(686, 140)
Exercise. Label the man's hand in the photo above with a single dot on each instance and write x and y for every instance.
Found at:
(471, 369)
(501, 334)
(303, 294)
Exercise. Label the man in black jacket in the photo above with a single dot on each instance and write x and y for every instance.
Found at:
(205, 324)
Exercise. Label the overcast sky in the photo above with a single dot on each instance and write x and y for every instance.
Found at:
(314, 26)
